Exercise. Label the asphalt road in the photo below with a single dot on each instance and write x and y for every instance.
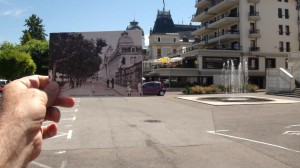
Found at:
(165, 132)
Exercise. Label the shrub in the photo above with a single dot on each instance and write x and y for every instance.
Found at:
(187, 90)
(251, 88)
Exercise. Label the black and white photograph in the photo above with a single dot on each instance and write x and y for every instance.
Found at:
(105, 63)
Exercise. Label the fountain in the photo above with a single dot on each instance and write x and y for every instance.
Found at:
(235, 81)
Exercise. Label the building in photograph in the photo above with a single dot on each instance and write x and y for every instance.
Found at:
(263, 33)
(167, 39)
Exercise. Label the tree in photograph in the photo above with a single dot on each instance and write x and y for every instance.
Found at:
(15, 64)
(35, 29)
(74, 56)
(39, 52)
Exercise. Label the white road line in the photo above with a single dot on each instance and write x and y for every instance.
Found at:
(76, 110)
(60, 152)
(290, 126)
(70, 134)
(74, 118)
(68, 126)
(291, 133)
(64, 164)
(254, 141)
(39, 164)
(57, 136)
(65, 119)
(68, 111)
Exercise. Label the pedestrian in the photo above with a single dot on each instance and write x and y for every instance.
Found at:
(27, 103)
(112, 82)
(140, 89)
(128, 89)
(107, 83)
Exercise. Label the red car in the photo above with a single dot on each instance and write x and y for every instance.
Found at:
(154, 88)
(1, 88)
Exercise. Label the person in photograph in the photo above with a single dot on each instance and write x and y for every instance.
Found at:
(128, 89)
(140, 89)
(107, 83)
(112, 82)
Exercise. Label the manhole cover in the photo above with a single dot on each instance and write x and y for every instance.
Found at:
(153, 121)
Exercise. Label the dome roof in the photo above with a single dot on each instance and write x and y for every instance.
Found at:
(134, 25)
(125, 40)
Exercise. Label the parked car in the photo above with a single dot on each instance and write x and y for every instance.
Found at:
(1, 88)
(154, 88)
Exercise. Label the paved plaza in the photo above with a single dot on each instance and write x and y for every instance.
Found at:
(167, 132)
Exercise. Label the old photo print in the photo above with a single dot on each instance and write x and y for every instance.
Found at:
(97, 63)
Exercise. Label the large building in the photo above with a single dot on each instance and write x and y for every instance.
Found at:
(261, 32)
(167, 39)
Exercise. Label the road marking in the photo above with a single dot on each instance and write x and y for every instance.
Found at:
(64, 164)
(74, 118)
(60, 152)
(254, 141)
(68, 126)
(76, 110)
(65, 119)
(291, 133)
(290, 126)
(57, 136)
(39, 164)
(70, 134)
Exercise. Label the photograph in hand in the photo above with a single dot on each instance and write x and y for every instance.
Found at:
(97, 63)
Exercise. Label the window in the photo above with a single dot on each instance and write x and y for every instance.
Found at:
(280, 30)
(281, 46)
(286, 13)
(287, 30)
(217, 62)
(279, 0)
(252, 10)
(253, 64)
(286, 0)
(159, 52)
(279, 13)
(174, 40)
(158, 39)
(288, 47)
(270, 63)
(174, 51)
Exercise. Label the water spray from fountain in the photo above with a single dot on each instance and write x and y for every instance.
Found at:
(234, 81)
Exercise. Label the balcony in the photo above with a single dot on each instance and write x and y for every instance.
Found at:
(253, 1)
(254, 33)
(254, 50)
(229, 19)
(202, 3)
(222, 5)
(202, 16)
(229, 35)
(253, 16)
(202, 30)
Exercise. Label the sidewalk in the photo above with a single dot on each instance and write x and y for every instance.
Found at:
(97, 88)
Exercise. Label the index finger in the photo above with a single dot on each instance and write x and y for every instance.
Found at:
(35, 81)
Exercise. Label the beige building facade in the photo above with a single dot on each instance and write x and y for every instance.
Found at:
(262, 32)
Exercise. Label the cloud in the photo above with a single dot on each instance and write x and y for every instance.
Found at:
(15, 12)
(146, 40)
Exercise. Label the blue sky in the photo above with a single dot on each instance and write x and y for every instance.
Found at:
(90, 15)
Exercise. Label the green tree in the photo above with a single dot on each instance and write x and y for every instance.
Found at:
(39, 52)
(15, 64)
(7, 45)
(35, 29)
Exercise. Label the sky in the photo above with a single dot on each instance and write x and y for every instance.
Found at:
(87, 16)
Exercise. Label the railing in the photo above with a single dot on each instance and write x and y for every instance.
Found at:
(256, 49)
(254, 31)
(253, 13)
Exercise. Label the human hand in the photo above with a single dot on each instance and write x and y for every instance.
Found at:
(26, 104)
